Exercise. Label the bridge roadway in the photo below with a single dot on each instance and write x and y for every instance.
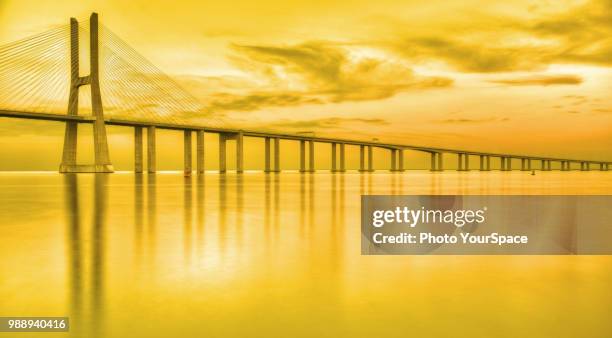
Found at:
(237, 134)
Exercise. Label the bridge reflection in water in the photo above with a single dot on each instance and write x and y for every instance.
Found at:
(162, 255)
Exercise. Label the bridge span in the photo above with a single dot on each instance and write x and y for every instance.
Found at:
(272, 145)
(272, 139)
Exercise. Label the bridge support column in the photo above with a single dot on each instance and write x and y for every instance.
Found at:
(302, 156)
(311, 153)
(543, 165)
(523, 165)
(222, 154)
(488, 163)
(370, 159)
(187, 160)
(200, 151)
(361, 157)
(393, 159)
(548, 165)
(239, 153)
(400, 159)
(333, 157)
(277, 155)
(151, 150)
(138, 150)
(433, 166)
(342, 158)
(509, 163)
(463, 162)
(436, 162)
(102, 162)
(267, 155)
(482, 164)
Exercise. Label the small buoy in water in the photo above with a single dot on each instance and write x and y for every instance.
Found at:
(532, 172)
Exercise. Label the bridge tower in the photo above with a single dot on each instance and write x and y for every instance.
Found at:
(102, 159)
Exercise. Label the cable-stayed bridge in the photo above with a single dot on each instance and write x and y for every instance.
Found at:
(40, 78)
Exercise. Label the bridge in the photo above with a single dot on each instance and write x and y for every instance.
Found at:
(132, 92)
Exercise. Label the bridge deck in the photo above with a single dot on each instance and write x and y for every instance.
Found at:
(252, 133)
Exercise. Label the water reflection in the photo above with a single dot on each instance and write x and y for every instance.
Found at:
(187, 218)
(201, 211)
(285, 246)
(77, 256)
(72, 212)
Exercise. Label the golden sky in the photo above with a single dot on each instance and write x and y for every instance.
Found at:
(525, 77)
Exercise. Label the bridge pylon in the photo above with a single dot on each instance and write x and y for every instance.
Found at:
(102, 158)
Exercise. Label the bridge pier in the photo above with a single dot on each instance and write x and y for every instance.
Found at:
(222, 154)
(333, 157)
(481, 158)
(239, 137)
(342, 158)
(436, 162)
(200, 152)
(506, 163)
(138, 150)
(563, 165)
(463, 160)
(397, 159)
(302, 156)
(151, 150)
(187, 159)
(311, 161)
(393, 159)
(239, 153)
(277, 155)
(361, 157)
(267, 155)
(370, 159)
(102, 163)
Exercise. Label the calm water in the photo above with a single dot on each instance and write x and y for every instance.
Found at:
(259, 255)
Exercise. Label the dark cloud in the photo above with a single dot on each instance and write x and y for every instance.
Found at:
(581, 34)
(541, 80)
(470, 57)
(325, 72)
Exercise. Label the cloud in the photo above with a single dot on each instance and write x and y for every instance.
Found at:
(256, 100)
(324, 72)
(330, 122)
(473, 121)
(579, 34)
(541, 80)
(474, 56)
